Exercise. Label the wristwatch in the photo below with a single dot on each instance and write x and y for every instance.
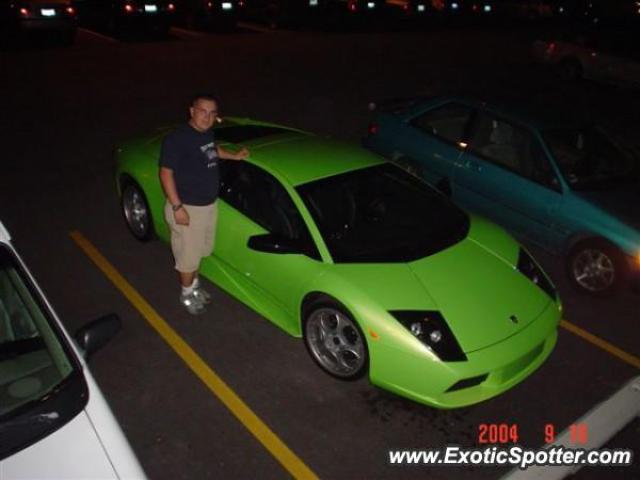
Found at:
(176, 207)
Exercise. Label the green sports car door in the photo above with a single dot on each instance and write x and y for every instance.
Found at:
(263, 243)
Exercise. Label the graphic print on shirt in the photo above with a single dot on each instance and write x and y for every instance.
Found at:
(211, 153)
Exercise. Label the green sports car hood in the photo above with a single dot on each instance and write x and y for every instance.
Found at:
(474, 285)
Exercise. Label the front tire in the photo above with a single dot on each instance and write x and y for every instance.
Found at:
(596, 267)
(135, 209)
(334, 340)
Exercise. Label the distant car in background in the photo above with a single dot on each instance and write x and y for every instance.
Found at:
(278, 13)
(469, 8)
(21, 18)
(54, 421)
(409, 9)
(602, 55)
(128, 16)
(209, 14)
(356, 9)
(566, 186)
(526, 9)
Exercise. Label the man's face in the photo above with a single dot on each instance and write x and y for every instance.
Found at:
(203, 114)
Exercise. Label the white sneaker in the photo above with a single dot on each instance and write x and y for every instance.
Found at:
(192, 304)
(202, 295)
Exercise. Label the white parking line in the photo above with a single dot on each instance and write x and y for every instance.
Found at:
(99, 35)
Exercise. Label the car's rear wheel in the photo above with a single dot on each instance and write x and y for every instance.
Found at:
(334, 341)
(596, 267)
(136, 211)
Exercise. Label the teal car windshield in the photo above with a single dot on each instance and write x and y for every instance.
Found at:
(588, 159)
(41, 385)
(382, 214)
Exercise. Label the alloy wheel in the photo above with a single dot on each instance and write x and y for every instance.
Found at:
(593, 270)
(335, 342)
(136, 212)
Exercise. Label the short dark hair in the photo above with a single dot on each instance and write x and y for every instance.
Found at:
(203, 96)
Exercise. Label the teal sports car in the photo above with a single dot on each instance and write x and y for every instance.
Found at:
(379, 273)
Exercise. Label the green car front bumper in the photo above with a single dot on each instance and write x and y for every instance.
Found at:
(486, 373)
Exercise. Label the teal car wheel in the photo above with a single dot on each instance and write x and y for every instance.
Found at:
(596, 267)
(136, 212)
(335, 342)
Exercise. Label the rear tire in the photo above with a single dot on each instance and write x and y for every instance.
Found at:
(596, 267)
(135, 209)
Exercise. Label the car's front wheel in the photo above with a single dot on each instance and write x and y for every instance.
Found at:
(335, 341)
(136, 211)
(596, 267)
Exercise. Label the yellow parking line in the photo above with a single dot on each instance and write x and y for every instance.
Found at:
(289, 460)
(597, 341)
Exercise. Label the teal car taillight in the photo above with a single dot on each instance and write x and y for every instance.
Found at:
(432, 330)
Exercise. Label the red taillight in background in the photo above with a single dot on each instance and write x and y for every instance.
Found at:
(373, 128)
(70, 10)
(24, 12)
(128, 8)
(551, 48)
(171, 7)
(241, 3)
(353, 6)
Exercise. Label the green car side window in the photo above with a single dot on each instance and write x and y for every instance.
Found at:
(261, 197)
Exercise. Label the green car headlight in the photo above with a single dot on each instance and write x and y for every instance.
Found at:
(530, 269)
(432, 330)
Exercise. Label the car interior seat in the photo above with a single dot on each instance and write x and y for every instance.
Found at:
(501, 147)
(15, 321)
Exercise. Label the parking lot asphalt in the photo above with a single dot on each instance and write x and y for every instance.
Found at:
(64, 109)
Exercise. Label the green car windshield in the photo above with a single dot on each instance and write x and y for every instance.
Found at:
(41, 384)
(588, 159)
(382, 214)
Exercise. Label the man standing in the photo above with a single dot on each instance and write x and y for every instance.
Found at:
(189, 173)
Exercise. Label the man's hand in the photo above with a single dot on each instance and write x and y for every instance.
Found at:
(182, 216)
(225, 154)
(242, 154)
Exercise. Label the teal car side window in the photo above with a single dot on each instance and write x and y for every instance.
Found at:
(448, 122)
(588, 158)
(512, 147)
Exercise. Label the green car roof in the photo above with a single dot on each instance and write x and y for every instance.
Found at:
(301, 158)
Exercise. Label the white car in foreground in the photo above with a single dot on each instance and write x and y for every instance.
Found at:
(54, 421)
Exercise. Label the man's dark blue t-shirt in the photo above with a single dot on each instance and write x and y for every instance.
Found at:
(193, 157)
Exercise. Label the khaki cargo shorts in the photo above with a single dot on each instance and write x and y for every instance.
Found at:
(190, 243)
